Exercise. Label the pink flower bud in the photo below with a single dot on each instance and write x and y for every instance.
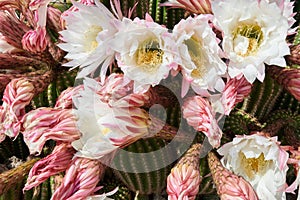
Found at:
(44, 124)
(54, 163)
(200, 115)
(236, 89)
(184, 180)
(16, 97)
(193, 6)
(64, 100)
(80, 180)
(35, 41)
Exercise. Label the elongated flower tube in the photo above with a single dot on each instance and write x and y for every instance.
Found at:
(199, 114)
(44, 124)
(229, 186)
(10, 178)
(289, 78)
(193, 6)
(80, 180)
(184, 180)
(16, 97)
(53, 22)
(56, 162)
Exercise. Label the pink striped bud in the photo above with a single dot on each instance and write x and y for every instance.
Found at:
(200, 115)
(80, 180)
(64, 100)
(87, 2)
(44, 124)
(54, 163)
(235, 91)
(117, 89)
(35, 41)
(193, 6)
(17, 95)
(229, 186)
(184, 180)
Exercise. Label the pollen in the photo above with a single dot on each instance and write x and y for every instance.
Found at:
(105, 131)
(253, 35)
(90, 36)
(253, 166)
(149, 56)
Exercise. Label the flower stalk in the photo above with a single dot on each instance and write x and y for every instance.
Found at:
(184, 180)
(11, 177)
(229, 185)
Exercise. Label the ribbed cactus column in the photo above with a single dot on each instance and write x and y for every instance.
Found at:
(47, 98)
(143, 183)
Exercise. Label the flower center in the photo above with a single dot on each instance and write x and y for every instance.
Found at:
(252, 166)
(90, 35)
(247, 39)
(149, 55)
(194, 47)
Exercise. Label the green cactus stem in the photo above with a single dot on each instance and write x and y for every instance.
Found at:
(264, 98)
(48, 97)
(144, 183)
(286, 125)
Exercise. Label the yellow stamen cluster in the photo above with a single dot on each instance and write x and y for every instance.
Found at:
(149, 55)
(254, 34)
(252, 166)
(91, 35)
(194, 47)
